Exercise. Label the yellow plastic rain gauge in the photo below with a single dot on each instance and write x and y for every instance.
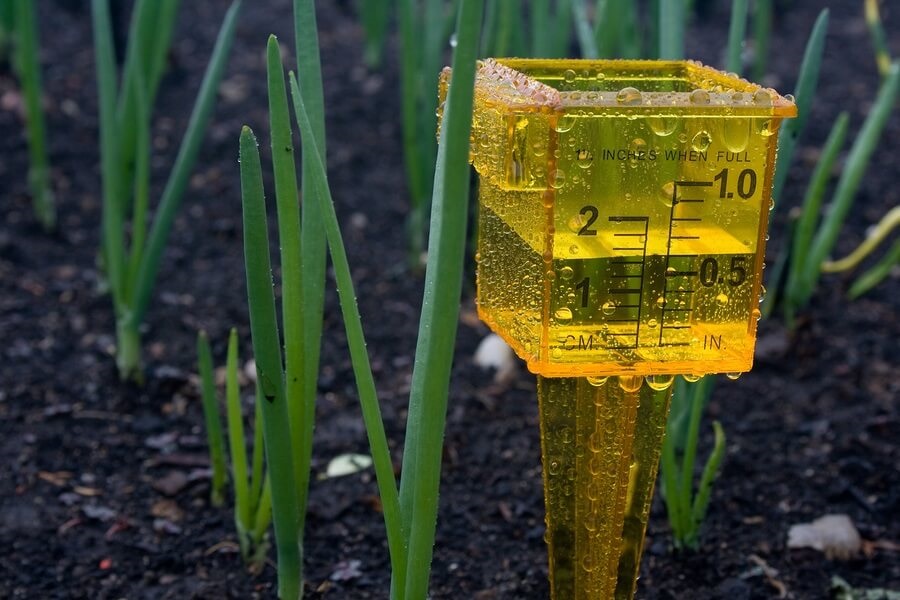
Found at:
(621, 233)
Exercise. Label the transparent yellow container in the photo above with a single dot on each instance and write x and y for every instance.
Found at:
(622, 214)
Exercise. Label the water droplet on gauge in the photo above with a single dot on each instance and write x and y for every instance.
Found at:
(699, 96)
(721, 299)
(608, 307)
(563, 315)
(701, 141)
(659, 382)
(566, 273)
(629, 96)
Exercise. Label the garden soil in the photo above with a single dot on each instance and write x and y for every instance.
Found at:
(104, 486)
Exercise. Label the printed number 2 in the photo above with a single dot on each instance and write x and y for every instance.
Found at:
(594, 213)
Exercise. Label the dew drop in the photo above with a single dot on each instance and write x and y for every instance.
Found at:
(630, 383)
(762, 293)
(733, 376)
(691, 378)
(557, 179)
(762, 98)
(661, 301)
(659, 382)
(564, 123)
(652, 323)
(563, 315)
(556, 353)
(597, 381)
(737, 134)
(666, 193)
(701, 141)
(700, 97)
(569, 76)
(629, 96)
(662, 126)
(608, 307)
(584, 158)
(453, 41)
(566, 273)
(721, 299)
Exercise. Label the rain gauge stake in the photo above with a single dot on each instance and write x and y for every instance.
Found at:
(621, 233)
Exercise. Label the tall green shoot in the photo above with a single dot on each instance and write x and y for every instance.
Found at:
(685, 507)
(212, 419)
(131, 268)
(270, 371)
(29, 68)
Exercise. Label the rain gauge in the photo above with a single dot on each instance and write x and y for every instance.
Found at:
(621, 234)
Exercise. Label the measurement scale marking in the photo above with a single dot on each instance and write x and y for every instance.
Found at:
(634, 287)
(675, 221)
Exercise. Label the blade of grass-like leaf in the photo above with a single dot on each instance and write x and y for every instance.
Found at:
(440, 309)
(857, 162)
(236, 442)
(263, 516)
(312, 236)
(141, 39)
(690, 442)
(583, 30)
(375, 17)
(141, 201)
(561, 28)
(30, 71)
(796, 286)
(671, 29)
(362, 371)
(671, 480)
(762, 30)
(736, 32)
(269, 373)
(168, 11)
(884, 227)
(112, 236)
(540, 30)
(879, 39)
(256, 475)
(409, 105)
(184, 163)
(876, 274)
(701, 501)
(213, 419)
(292, 307)
(776, 278)
(807, 81)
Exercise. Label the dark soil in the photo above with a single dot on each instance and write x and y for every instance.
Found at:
(103, 487)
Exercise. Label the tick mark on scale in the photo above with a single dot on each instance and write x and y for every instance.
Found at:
(730, 195)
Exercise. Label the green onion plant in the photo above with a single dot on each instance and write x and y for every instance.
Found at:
(736, 31)
(27, 62)
(252, 489)
(410, 513)
(423, 38)
(685, 506)
(879, 271)
(816, 236)
(125, 146)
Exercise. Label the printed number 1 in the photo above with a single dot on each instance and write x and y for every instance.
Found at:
(584, 285)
